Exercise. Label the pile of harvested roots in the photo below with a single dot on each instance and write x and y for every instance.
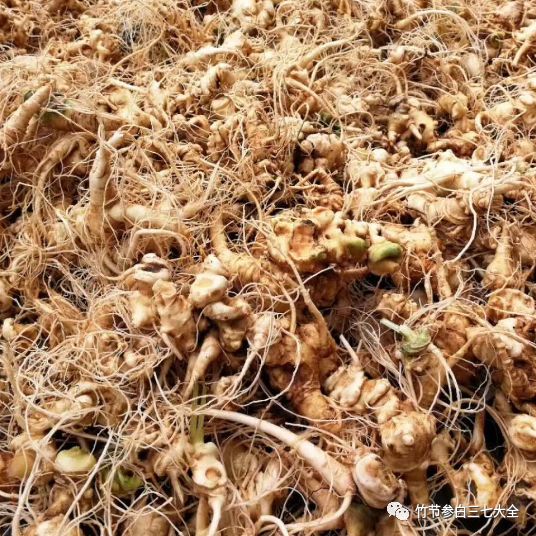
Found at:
(267, 266)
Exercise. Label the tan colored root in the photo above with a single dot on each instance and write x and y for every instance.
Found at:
(15, 127)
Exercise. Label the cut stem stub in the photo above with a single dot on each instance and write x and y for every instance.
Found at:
(414, 342)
